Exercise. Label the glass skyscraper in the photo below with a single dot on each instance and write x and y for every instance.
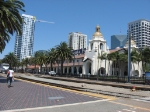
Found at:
(118, 41)
(24, 42)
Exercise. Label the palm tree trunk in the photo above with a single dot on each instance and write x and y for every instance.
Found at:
(46, 68)
(51, 66)
(61, 67)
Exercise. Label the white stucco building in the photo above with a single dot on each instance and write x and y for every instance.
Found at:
(89, 64)
(93, 65)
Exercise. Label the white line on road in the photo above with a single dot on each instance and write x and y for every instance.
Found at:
(128, 110)
(55, 106)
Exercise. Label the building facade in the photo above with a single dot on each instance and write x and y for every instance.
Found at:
(118, 41)
(24, 43)
(140, 31)
(77, 40)
(89, 63)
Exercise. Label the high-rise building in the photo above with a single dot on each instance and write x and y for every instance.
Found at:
(77, 40)
(140, 31)
(24, 42)
(118, 41)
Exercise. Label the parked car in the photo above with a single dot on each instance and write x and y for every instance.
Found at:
(53, 73)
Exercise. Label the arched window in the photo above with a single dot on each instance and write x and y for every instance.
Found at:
(101, 46)
(91, 46)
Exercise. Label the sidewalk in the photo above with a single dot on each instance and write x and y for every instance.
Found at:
(91, 86)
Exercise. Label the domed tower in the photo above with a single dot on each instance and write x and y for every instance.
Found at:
(97, 33)
(97, 43)
(133, 44)
(97, 46)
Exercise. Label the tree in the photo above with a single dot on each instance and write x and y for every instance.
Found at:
(51, 57)
(63, 52)
(41, 59)
(11, 59)
(10, 20)
(102, 57)
(145, 58)
(26, 62)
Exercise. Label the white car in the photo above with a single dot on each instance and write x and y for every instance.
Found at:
(52, 73)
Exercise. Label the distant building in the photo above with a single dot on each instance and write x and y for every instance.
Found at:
(24, 43)
(140, 31)
(42, 51)
(118, 41)
(77, 40)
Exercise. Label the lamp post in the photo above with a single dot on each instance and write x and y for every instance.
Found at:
(117, 63)
(73, 62)
(129, 56)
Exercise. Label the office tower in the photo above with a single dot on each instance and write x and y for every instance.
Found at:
(24, 42)
(118, 41)
(140, 31)
(77, 40)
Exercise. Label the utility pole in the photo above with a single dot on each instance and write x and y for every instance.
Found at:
(129, 56)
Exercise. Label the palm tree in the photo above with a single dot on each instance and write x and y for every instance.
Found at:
(41, 59)
(109, 57)
(102, 57)
(51, 57)
(145, 58)
(26, 62)
(10, 59)
(123, 58)
(10, 20)
(134, 56)
(63, 52)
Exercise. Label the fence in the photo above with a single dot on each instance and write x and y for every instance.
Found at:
(119, 79)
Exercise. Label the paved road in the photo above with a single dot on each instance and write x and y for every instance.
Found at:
(32, 97)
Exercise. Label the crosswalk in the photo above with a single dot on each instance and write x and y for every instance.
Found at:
(146, 99)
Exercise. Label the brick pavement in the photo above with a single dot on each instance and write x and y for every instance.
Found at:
(92, 86)
(27, 95)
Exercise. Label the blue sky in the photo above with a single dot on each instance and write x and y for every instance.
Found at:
(113, 16)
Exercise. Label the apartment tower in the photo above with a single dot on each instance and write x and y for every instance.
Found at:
(24, 43)
(77, 40)
(140, 31)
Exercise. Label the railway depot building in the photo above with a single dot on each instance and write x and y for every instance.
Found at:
(88, 63)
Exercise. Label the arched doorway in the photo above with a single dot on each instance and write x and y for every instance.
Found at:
(126, 71)
(65, 70)
(69, 70)
(75, 70)
(102, 71)
(88, 68)
(80, 70)
(135, 73)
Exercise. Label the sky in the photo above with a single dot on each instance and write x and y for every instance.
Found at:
(83, 16)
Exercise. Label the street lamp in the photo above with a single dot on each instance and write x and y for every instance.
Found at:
(129, 56)
(117, 63)
(73, 62)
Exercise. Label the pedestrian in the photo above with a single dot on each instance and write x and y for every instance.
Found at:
(10, 77)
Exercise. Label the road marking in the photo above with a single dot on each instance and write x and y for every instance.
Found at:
(74, 91)
(130, 105)
(146, 99)
(56, 106)
(128, 110)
